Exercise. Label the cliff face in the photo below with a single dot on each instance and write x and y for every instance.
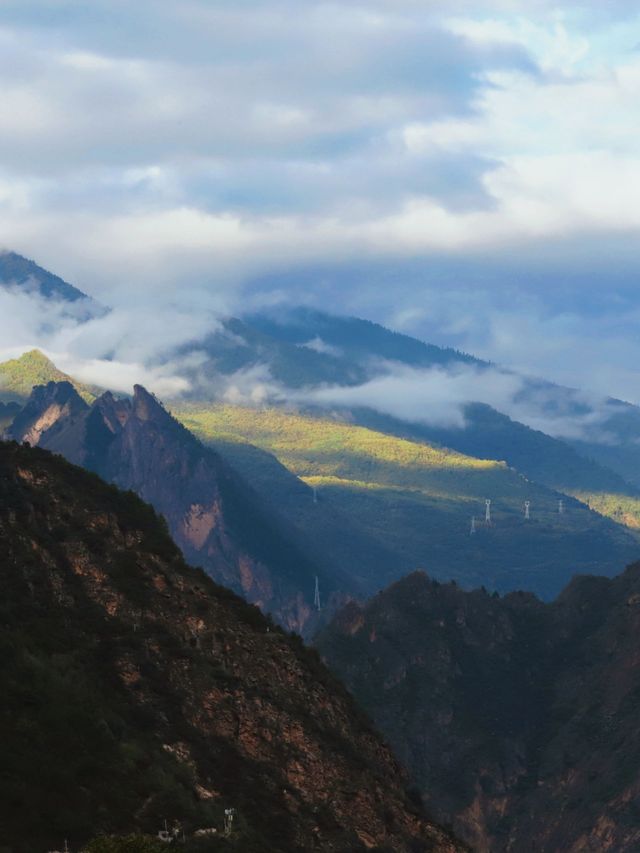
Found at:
(213, 515)
(518, 720)
(137, 690)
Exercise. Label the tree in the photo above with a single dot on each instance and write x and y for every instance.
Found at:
(125, 844)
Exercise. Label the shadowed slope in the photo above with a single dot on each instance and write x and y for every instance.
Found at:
(153, 693)
(517, 719)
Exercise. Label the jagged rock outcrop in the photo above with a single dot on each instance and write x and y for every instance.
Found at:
(517, 719)
(213, 515)
(135, 689)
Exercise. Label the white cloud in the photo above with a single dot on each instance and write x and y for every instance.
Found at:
(181, 148)
(113, 350)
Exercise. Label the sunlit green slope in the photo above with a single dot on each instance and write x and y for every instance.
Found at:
(414, 501)
(19, 375)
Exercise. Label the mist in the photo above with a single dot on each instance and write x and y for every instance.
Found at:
(136, 342)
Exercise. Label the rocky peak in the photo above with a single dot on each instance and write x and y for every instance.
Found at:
(47, 407)
(214, 516)
(146, 406)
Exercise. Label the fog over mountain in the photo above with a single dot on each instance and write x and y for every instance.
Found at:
(467, 174)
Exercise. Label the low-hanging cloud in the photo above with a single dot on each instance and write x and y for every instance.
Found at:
(435, 396)
(114, 349)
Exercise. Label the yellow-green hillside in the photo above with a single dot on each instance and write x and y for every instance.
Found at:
(387, 505)
(19, 375)
(328, 450)
(625, 509)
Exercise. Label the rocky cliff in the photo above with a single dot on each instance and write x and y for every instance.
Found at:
(517, 719)
(214, 516)
(134, 690)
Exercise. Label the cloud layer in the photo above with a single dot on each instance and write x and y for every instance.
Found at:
(198, 154)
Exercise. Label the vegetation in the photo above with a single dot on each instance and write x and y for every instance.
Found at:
(19, 375)
(625, 509)
(155, 694)
(17, 270)
(388, 505)
(517, 719)
(125, 844)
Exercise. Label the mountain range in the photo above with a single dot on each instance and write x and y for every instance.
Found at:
(363, 497)
(517, 719)
(156, 692)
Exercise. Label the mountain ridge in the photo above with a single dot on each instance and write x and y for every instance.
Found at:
(515, 718)
(26, 274)
(156, 694)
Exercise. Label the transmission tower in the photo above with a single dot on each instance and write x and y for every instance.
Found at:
(315, 494)
(527, 505)
(229, 815)
(473, 525)
(487, 511)
(316, 596)
(560, 507)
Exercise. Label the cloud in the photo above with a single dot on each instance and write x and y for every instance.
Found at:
(436, 396)
(318, 345)
(201, 153)
(116, 349)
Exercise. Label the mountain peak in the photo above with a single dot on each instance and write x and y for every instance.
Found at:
(18, 270)
(146, 405)
(19, 376)
(47, 406)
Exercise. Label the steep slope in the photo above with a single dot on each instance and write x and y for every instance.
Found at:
(488, 434)
(19, 376)
(155, 694)
(19, 271)
(359, 340)
(214, 516)
(414, 502)
(517, 720)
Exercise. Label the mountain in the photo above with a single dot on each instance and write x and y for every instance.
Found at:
(359, 340)
(239, 345)
(386, 506)
(488, 434)
(602, 468)
(303, 348)
(214, 516)
(19, 376)
(18, 271)
(155, 694)
(517, 720)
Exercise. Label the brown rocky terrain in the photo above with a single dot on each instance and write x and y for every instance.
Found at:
(518, 720)
(214, 516)
(135, 690)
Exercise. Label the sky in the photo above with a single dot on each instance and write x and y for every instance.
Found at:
(465, 172)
